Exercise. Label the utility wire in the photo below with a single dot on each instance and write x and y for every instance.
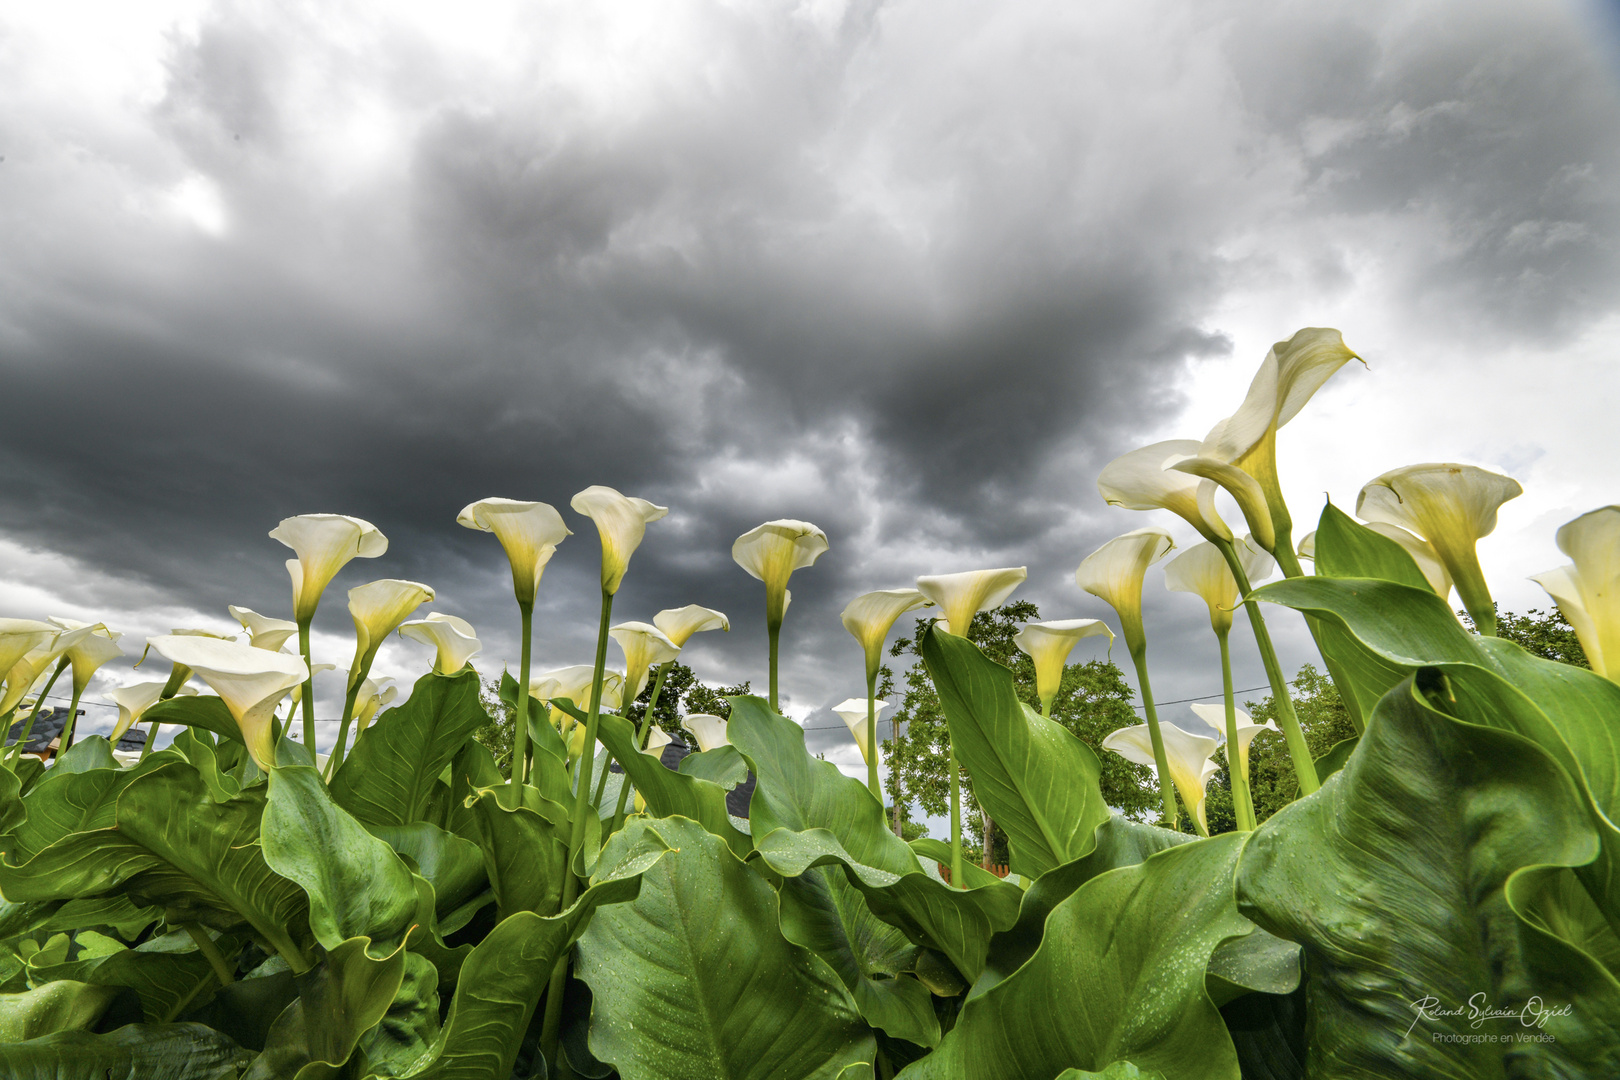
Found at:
(1178, 701)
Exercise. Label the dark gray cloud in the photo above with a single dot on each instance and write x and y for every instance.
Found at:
(910, 272)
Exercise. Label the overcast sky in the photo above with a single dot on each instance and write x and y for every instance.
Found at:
(911, 271)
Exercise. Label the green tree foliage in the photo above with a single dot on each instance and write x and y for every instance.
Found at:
(1094, 701)
(1547, 634)
(1272, 782)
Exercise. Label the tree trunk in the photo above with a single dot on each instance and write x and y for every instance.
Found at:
(894, 775)
(989, 841)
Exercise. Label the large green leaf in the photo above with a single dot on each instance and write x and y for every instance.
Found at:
(503, 978)
(12, 813)
(135, 1052)
(805, 813)
(57, 1006)
(247, 1008)
(411, 1024)
(1345, 548)
(525, 847)
(339, 1000)
(1118, 976)
(115, 913)
(1395, 880)
(357, 885)
(390, 775)
(169, 974)
(694, 980)
(1118, 842)
(204, 711)
(453, 866)
(159, 834)
(1569, 712)
(1030, 774)
(669, 792)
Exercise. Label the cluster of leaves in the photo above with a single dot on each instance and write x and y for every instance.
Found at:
(1093, 702)
(192, 917)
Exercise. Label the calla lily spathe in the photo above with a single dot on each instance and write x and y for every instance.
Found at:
(1452, 507)
(33, 665)
(708, 730)
(645, 647)
(679, 624)
(19, 637)
(133, 701)
(657, 739)
(574, 683)
(1247, 729)
(373, 697)
(1141, 480)
(772, 551)
(1292, 372)
(1187, 754)
(962, 596)
(852, 711)
(250, 681)
(454, 639)
(1114, 573)
(88, 652)
(263, 631)
(622, 521)
(1203, 571)
(378, 608)
(325, 543)
(1588, 593)
(1048, 644)
(529, 533)
(870, 617)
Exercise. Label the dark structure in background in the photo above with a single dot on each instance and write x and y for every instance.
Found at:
(43, 740)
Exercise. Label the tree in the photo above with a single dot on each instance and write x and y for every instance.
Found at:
(1094, 701)
(1545, 633)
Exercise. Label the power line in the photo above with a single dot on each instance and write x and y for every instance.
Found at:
(1178, 701)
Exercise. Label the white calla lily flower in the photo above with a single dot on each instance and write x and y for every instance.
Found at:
(852, 711)
(1188, 756)
(263, 631)
(529, 532)
(1306, 548)
(574, 683)
(870, 617)
(454, 639)
(1114, 574)
(374, 696)
(1048, 644)
(1141, 480)
(1588, 593)
(708, 730)
(772, 551)
(679, 624)
(1247, 729)
(378, 608)
(1422, 552)
(89, 652)
(621, 521)
(35, 664)
(1202, 570)
(645, 647)
(250, 681)
(657, 739)
(962, 596)
(1244, 488)
(1452, 507)
(325, 543)
(133, 701)
(19, 637)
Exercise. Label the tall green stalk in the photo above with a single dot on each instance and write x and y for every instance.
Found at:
(308, 701)
(774, 632)
(520, 727)
(1167, 791)
(641, 742)
(551, 1027)
(28, 728)
(871, 746)
(956, 822)
(349, 699)
(72, 720)
(1242, 801)
(177, 678)
(1298, 750)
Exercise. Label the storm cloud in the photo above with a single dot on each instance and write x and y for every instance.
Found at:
(910, 271)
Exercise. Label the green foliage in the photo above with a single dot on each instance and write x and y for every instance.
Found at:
(1272, 781)
(1546, 634)
(1093, 701)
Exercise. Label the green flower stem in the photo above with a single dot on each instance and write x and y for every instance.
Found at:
(28, 728)
(551, 1027)
(1469, 580)
(520, 725)
(871, 747)
(308, 699)
(72, 720)
(774, 632)
(641, 741)
(1242, 801)
(210, 951)
(1304, 767)
(894, 774)
(957, 879)
(1167, 791)
(355, 681)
